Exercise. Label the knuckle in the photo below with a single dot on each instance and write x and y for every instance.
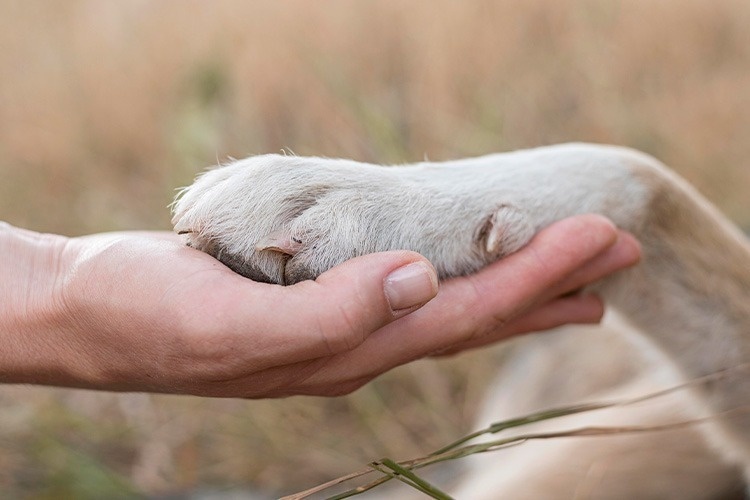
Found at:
(341, 328)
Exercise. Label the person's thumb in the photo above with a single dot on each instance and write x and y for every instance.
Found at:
(362, 295)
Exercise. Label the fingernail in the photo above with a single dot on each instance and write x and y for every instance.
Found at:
(410, 286)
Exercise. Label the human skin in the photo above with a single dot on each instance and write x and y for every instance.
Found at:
(139, 311)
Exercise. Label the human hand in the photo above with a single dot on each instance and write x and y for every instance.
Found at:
(142, 312)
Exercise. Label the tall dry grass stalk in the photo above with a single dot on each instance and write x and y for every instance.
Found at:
(107, 106)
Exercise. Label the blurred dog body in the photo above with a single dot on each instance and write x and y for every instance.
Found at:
(595, 363)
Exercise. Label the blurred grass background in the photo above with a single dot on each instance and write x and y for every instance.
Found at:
(107, 106)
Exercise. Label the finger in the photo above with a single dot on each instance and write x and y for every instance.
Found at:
(626, 252)
(581, 309)
(339, 376)
(578, 309)
(366, 293)
(334, 313)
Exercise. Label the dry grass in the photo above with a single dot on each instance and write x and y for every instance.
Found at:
(105, 102)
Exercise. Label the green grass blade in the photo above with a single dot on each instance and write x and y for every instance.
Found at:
(517, 422)
(421, 484)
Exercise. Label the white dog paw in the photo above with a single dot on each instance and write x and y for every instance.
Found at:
(285, 219)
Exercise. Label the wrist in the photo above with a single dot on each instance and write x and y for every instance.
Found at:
(32, 309)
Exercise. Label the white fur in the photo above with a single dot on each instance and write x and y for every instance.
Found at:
(341, 208)
(283, 219)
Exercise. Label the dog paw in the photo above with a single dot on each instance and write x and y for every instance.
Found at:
(282, 219)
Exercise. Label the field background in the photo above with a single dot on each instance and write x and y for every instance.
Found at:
(107, 106)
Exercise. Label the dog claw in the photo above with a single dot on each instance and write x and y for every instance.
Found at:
(279, 241)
